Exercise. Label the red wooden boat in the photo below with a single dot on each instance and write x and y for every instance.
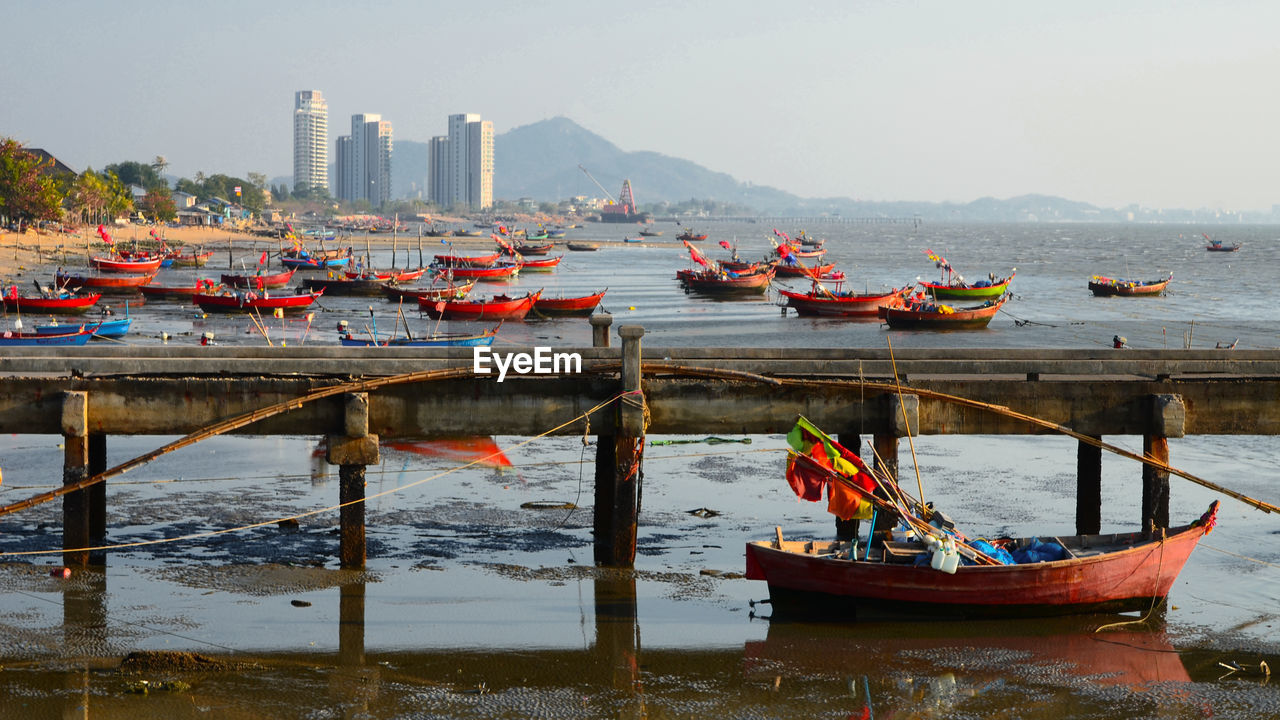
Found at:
(544, 265)
(499, 307)
(715, 282)
(837, 303)
(745, 266)
(923, 314)
(1105, 286)
(808, 253)
(785, 270)
(268, 280)
(1217, 246)
(248, 300)
(568, 307)
(496, 273)
(169, 292)
(431, 293)
(195, 258)
(466, 261)
(107, 283)
(63, 303)
(121, 265)
(395, 275)
(526, 249)
(688, 235)
(343, 286)
(1101, 573)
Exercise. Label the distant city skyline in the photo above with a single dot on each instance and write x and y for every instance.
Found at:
(1141, 102)
(461, 165)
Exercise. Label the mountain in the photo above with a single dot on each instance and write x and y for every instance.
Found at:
(540, 161)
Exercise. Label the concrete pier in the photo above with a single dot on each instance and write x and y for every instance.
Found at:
(88, 394)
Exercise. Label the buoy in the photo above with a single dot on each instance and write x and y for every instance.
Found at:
(633, 307)
(62, 572)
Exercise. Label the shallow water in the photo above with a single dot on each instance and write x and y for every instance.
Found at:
(474, 606)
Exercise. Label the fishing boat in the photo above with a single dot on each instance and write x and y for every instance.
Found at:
(169, 292)
(499, 307)
(389, 275)
(265, 280)
(922, 314)
(193, 258)
(568, 307)
(582, 246)
(55, 303)
(689, 235)
(527, 249)
(106, 283)
(346, 286)
(122, 265)
(1105, 287)
(80, 336)
(958, 289)
(1217, 246)
(431, 293)
(953, 286)
(786, 270)
(116, 328)
(432, 340)
(302, 259)
(466, 261)
(543, 265)
(819, 252)
(934, 570)
(823, 302)
(720, 282)
(248, 300)
(650, 233)
(497, 273)
(554, 235)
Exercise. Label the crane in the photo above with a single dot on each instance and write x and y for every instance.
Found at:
(607, 194)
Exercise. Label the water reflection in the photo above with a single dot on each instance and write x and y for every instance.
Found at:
(1047, 668)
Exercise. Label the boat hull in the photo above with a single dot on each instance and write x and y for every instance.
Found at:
(1101, 287)
(126, 266)
(58, 305)
(442, 340)
(952, 292)
(272, 280)
(13, 339)
(1119, 581)
(240, 303)
(813, 304)
(496, 308)
(568, 307)
(905, 318)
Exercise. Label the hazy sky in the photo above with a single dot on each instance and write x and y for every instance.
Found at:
(1165, 104)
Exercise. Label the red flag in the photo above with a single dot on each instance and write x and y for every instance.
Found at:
(263, 260)
(725, 244)
(440, 306)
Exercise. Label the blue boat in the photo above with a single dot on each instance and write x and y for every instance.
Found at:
(117, 328)
(438, 340)
(77, 337)
(315, 263)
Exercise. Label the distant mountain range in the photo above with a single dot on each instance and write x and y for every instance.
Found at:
(540, 161)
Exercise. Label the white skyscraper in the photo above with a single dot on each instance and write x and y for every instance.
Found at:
(364, 160)
(461, 165)
(310, 140)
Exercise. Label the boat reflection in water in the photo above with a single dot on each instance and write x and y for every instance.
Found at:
(1046, 668)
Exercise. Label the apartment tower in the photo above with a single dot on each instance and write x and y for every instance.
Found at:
(310, 140)
(364, 161)
(461, 164)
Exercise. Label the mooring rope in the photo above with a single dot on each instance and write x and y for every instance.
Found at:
(309, 513)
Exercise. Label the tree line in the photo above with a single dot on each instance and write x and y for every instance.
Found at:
(32, 191)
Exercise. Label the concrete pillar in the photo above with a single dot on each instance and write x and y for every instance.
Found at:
(1168, 419)
(618, 469)
(617, 630)
(351, 452)
(1088, 488)
(600, 323)
(97, 492)
(75, 467)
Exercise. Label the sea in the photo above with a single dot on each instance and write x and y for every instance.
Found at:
(481, 599)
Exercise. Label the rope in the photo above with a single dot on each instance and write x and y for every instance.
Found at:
(309, 513)
(1155, 600)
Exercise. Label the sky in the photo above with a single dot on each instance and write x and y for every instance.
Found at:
(1162, 104)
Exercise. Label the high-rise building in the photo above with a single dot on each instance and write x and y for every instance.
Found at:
(310, 140)
(461, 164)
(364, 161)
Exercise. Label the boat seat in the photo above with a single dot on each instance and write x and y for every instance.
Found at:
(902, 552)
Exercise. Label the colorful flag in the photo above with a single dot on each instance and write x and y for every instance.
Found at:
(440, 306)
(725, 244)
(263, 260)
